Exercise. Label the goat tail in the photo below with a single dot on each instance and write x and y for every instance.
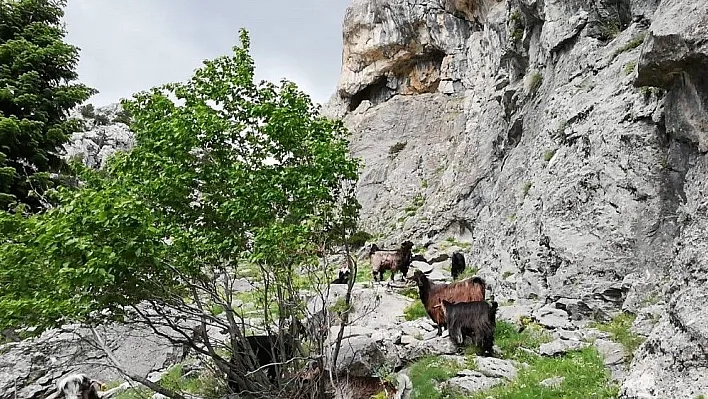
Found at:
(495, 306)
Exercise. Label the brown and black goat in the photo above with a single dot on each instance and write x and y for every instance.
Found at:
(394, 260)
(476, 320)
(468, 290)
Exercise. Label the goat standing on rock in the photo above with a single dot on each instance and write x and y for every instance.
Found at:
(394, 260)
(431, 294)
(476, 320)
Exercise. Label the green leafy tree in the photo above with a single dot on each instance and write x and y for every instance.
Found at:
(228, 178)
(36, 68)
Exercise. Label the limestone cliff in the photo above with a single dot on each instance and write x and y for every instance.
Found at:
(564, 139)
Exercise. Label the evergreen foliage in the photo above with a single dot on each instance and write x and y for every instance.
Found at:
(36, 68)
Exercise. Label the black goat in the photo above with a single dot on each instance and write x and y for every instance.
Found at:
(476, 320)
(458, 264)
(344, 274)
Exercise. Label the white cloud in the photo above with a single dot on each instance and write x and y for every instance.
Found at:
(133, 45)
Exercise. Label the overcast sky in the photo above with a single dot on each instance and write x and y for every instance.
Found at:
(132, 45)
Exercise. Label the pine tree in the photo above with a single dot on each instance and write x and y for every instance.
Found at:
(36, 93)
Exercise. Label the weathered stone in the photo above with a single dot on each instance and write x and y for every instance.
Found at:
(497, 368)
(560, 346)
(361, 356)
(613, 355)
(514, 313)
(473, 381)
(422, 266)
(552, 317)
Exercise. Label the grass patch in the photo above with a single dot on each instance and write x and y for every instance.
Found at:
(512, 343)
(410, 292)
(467, 273)
(630, 45)
(418, 201)
(340, 306)
(363, 272)
(547, 155)
(584, 372)
(215, 309)
(135, 393)
(452, 241)
(629, 67)
(206, 385)
(533, 82)
(526, 187)
(618, 328)
(426, 375)
(424, 183)
(415, 310)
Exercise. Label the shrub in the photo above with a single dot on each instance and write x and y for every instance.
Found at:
(533, 82)
(340, 306)
(629, 67)
(548, 155)
(87, 111)
(619, 330)
(630, 45)
(101, 119)
(359, 238)
(122, 116)
(396, 148)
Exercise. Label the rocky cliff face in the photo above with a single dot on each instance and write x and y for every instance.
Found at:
(565, 140)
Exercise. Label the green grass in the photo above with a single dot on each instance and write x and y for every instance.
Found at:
(340, 305)
(135, 393)
(410, 292)
(511, 342)
(415, 310)
(547, 155)
(533, 82)
(427, 373)
(452, 242)
(215, 309)
(467, 273)
(629, 67)
(525, 188)
(418, 201)
(205, 386)
(618, 328)
(363, 272)
(630, 45)
(584, 372)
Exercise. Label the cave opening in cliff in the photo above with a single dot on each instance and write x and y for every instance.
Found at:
(375, 92)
